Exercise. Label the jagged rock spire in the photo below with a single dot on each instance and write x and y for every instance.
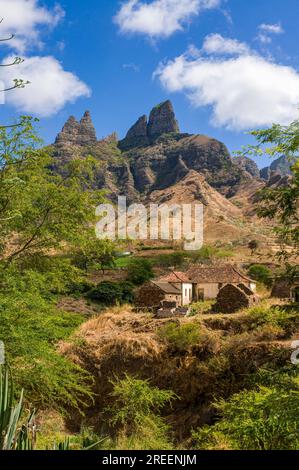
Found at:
(77, 133)
(69, 133)
(87, 132)
(139, 129)
(162, 120)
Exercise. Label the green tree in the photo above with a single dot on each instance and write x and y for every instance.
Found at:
(261, 274)
(39, 209)
(281, 203)
(140, 270)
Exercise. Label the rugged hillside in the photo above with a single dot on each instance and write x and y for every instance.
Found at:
(216, 364)
(156, 162)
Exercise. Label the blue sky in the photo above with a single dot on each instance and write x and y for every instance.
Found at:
(227, 66)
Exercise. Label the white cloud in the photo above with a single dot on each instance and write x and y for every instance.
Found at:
(266, 30)
(271, 28)
(159, 18)
(244, 92)
(217, 44)
(50, 88)
(24, 18)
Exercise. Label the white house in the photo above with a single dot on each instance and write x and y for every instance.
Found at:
(182, 282)
(207, 281)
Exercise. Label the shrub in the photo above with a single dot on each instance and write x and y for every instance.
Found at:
(140, 271)
(255, 420)
(112, 293)
(201, 307)
(136, 412)
(31, 326)
(261, 274)
(181, 337)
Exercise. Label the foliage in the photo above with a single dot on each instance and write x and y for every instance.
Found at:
(275, 316)
(181, 337)
(263, 419)
(20, 433)
(41, 209)
(281, 203)
(136, 412)
(201, 307)
(31, 326)
(140, 271)
(261, 274)
(13, 434)
(112, 293)
(96, 254)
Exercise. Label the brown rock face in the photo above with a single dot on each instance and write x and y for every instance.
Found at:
(248, 165)
(162, 120)
(69, 134)
(77, 133)
(87, 132)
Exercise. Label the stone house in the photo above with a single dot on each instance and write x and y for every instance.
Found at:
(232, 298)
(209, 280)
(154, 293)
(286, 289)
(182, 282)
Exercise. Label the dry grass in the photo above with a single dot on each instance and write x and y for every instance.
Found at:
(229, 347)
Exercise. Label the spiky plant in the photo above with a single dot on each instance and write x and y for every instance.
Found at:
(15, 434)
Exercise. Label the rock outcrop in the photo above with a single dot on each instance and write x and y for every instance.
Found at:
(77, 133)
(162, 121)
(247, 165)
(157, 163)
(69, 134)
(282, 166)
(87, 132)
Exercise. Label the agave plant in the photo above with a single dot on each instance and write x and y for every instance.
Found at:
(15, 434)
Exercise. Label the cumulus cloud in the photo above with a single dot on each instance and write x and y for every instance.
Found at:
(159, 18)
(244, 91)
(217, 44)
(50, 88)
(24, 18)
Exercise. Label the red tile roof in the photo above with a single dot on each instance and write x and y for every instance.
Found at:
(175, 277)
(226, 274)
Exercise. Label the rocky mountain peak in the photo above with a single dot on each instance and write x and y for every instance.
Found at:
(77, 133)
(139, 129)
(282, 166)
(162, 120)
(248, 165)
(87, 132)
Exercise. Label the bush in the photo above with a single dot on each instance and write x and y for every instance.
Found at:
(261, 274)
(265, 419)
(136, 416)
(31, 328)
(201, 307)
(140, 271)
(112, 293)
(181, 337)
